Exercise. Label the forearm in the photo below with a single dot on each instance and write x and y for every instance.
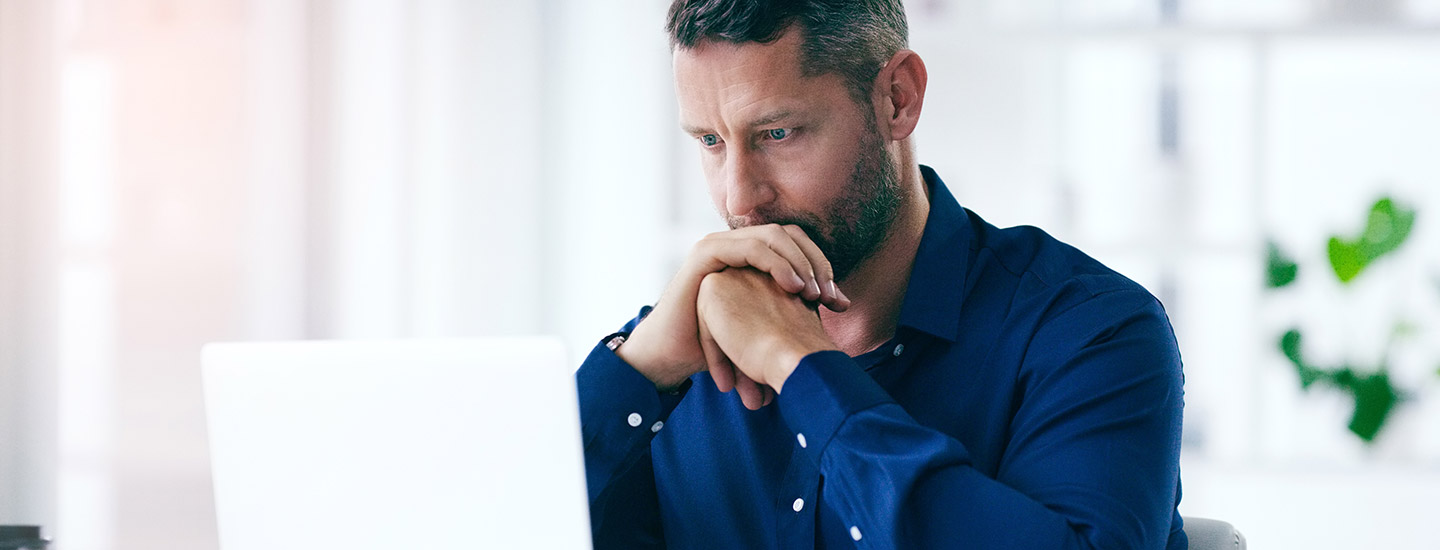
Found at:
(1081, 475)
(621, 412)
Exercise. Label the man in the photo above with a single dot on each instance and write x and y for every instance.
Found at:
(905, 374)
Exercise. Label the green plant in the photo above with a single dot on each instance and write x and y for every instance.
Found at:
(1386, 230)
(1388, 227)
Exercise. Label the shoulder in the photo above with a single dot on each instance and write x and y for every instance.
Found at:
(1071, 319)
(1053, 284)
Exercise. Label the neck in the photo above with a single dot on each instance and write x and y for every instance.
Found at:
(875, 290)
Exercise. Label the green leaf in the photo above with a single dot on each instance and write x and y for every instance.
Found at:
(1280, 270)
(1310, 375)
(1346, 259)
(1290, 346)
(1375, 397)
(1387, 227)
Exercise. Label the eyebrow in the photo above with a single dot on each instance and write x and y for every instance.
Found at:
(771, 118)
(763, 120)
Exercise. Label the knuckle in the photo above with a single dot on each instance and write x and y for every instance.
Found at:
(774, 232)
(754, 248)
(705, 246)
(706, 285)
(770, 234)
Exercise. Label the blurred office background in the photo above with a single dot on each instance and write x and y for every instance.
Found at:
(174, 172)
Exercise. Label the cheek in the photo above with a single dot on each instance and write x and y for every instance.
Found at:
(714, 183)
(819, 173)
(717, 197)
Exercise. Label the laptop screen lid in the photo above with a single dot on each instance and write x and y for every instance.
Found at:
(395, 444)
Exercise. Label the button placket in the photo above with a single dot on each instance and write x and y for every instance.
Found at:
(795, 506)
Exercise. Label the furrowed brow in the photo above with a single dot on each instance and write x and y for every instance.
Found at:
(771, 118)
(693, 130)
(763, 120)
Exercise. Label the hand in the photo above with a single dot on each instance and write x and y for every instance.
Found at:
(665, 347)
(752, 327)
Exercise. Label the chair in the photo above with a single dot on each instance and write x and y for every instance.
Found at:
(1212, 534)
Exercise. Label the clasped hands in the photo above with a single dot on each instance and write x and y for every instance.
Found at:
(743, 306)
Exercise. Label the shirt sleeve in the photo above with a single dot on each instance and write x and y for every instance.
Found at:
(620, 413)
(1091, 462)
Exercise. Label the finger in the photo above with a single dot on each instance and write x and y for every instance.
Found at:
(824, 273)
(750, 393)
(769, 395)
(730, 251)
(784, 242)
(721, 370)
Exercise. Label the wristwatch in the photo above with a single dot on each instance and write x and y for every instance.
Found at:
(614, 342)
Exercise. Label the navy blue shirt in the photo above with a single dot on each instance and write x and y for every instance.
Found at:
(1030, 398)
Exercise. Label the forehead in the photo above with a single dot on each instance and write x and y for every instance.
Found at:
(780, 57)
(727, 81)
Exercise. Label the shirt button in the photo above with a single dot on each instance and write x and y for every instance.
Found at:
(799, 504)
(801, 438)
(855, 532)
(656, 426)
(634, 420)
(899, 349)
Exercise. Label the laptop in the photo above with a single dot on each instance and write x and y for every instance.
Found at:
(433, 444)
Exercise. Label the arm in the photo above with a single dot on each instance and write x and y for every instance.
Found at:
(624, 505)
(645, 379)
(1092, 462)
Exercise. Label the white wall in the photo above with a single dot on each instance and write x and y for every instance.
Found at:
(28, 422)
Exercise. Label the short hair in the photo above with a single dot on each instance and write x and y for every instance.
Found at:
(849, 38)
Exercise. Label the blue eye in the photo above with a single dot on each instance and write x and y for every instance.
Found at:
(777, 134)
(709, 140)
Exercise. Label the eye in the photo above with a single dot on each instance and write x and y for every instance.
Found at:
(777, 134)
(709, 140)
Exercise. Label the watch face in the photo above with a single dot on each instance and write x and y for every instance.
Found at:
(615, 342)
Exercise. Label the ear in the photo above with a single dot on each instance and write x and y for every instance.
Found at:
(899, 93)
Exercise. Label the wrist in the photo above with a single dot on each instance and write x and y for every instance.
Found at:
(636, 355)
(787, 357)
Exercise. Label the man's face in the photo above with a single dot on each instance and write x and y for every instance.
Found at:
(778, 147)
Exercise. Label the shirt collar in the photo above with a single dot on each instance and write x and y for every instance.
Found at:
(937, 279)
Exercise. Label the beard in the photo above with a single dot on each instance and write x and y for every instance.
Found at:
(854, 224)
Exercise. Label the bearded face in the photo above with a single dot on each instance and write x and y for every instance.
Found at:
(851, 226)
(785, 147)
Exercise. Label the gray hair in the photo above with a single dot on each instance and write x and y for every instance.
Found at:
(850, 38)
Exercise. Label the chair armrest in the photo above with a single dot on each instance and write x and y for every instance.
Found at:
(1212, 534)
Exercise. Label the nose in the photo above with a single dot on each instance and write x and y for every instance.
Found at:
(748, 184)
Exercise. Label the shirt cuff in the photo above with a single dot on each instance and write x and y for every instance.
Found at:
(616, 401)
(823, 391)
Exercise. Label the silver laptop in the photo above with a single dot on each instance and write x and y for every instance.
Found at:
(432, 444)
